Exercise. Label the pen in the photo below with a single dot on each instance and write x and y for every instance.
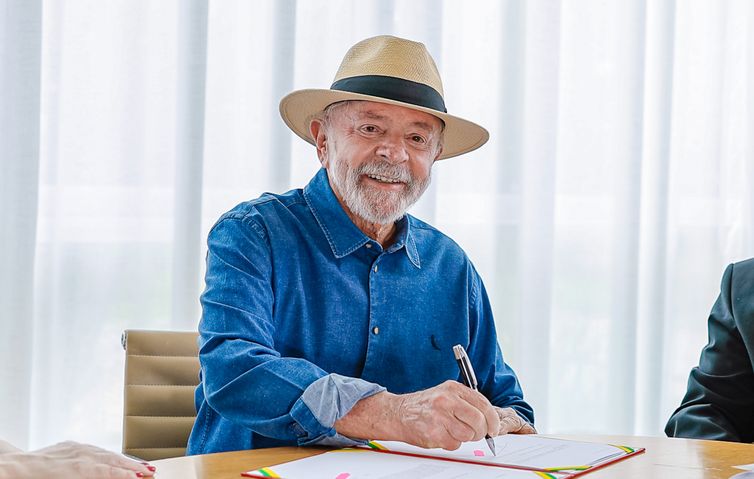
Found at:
(469, 378)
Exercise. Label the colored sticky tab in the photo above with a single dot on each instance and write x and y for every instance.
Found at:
(568, 468)
(267, 472)
(627, 449)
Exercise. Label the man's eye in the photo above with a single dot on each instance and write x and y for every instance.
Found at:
(369, 129)
(418, 139)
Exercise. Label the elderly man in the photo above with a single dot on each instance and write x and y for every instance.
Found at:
(329, 315)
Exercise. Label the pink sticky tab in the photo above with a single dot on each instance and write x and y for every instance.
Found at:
(343, 475)
(478, 452)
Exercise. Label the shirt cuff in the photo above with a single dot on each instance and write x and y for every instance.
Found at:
(326, 400)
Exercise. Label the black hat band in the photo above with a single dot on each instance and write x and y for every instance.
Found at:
(392, 88)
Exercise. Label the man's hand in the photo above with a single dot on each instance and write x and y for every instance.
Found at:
(71, 459)
(443, 416)
(512, 423)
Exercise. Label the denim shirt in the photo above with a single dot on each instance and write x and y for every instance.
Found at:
(303, 315)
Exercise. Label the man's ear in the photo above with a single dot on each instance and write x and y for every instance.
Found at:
(320, 140)
(438, 153)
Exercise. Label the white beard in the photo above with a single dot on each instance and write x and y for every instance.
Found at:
(370, 204)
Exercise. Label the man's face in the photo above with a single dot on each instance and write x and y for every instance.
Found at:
(379, 157)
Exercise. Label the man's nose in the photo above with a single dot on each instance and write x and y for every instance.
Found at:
(393, 150)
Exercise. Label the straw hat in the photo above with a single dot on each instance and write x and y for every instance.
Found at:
(388, 70)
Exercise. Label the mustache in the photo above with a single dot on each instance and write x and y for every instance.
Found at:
(381, 168)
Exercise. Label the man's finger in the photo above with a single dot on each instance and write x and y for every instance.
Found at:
(527, 429)
(512, 423)
(467, 423)
(482, 404)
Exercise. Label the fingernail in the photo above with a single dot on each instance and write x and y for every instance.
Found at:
(151, 468)
(139, 474)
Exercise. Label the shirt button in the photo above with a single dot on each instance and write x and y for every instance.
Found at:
(368, 245)
(375, 268)
(376, 330)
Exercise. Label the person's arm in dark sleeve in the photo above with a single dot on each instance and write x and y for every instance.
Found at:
(246, 379)
(719, 402)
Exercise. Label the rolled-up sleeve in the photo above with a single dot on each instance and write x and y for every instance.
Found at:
(330, 398)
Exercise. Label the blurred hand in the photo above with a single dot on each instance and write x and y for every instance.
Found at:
(6, 447)
(445, 416)
(512, 423)
(71, 459)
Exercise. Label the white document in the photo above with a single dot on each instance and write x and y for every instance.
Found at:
(524, 450)
(546, 457)
(364, 464)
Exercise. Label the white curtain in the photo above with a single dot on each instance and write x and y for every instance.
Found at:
(618, 182)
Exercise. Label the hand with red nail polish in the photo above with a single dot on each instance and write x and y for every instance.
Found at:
(69, 459)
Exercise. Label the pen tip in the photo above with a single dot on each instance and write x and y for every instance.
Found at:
(491, 444)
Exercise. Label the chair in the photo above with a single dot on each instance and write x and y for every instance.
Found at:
(161, 374)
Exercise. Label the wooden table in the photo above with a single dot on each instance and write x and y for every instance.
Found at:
(664, 458)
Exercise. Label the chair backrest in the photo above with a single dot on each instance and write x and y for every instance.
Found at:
(161, 374)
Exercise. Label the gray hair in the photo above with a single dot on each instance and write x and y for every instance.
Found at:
(326, 115)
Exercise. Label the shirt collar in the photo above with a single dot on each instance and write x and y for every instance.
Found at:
(404, 239)
(342, 235)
